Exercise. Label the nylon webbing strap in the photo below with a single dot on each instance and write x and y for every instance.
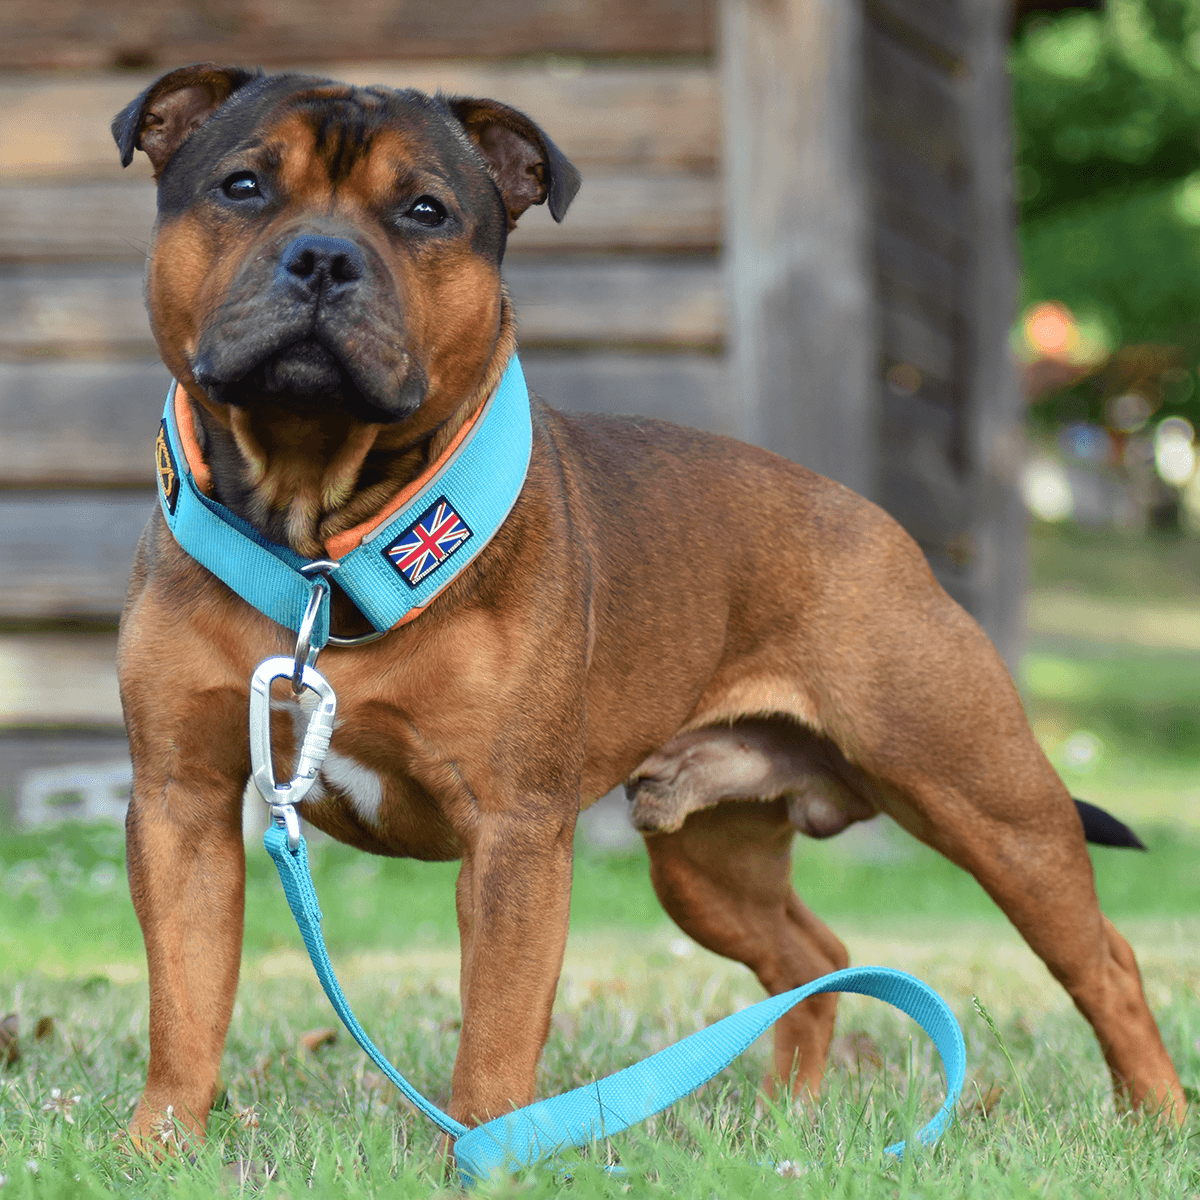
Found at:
(302, 900)
(606, 1107)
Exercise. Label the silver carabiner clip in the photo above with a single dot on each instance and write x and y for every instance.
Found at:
(314, 747)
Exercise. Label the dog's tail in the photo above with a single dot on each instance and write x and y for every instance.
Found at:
(1103, 829)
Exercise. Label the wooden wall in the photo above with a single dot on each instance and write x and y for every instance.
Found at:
(106, 34)
(619, 307)
(623, 307)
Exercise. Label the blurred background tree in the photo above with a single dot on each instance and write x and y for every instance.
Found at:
(1107, 177)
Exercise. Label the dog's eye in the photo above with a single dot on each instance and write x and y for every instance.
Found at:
(242, 186)
(427, 211)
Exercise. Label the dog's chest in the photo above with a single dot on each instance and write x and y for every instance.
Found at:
(341, 774)
(357, 802)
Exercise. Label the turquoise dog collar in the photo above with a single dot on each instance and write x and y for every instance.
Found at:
(401, 564)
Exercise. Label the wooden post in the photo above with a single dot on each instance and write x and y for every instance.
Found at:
(797, 242)
(871, 271)
(996, 409)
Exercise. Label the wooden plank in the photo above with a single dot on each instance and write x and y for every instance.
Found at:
(63, 310)
(919, 416)
(625, 300)
(688, 389)
(933, 30)
(99, 34)
(915, 199)
(644, 115)
(930, 502)
(79, 422)
(111, 221)
(59, 309)
(944, 394)
(996, 405)
(938, 312)
(94, 423)
(67, 554)
(59, 678)
(48, 222)
(905, 336)
(907, 264)
(937, 156)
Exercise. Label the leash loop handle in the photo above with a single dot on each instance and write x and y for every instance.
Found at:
(598, 1110)
(313, 748)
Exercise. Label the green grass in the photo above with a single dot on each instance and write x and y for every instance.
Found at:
(328, 1123)
(1114, 563)
(327, 1119)
(65, 909)
(1141, 703)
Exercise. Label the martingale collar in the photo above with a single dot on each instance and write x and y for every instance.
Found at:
(391, 566)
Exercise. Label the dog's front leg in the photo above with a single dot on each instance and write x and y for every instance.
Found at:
(187, 876)
(514, 900)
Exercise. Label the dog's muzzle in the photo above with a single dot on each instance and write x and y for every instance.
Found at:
(311, 339)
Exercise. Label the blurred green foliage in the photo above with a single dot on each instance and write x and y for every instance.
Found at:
(1130, 260)
(1107, 180)
(1105, 101)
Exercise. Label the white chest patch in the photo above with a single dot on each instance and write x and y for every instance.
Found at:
(341, 773)
(360, 785)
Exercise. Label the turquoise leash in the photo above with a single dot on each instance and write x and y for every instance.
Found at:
(598, 1110)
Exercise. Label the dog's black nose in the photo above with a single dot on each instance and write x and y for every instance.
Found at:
(321, 266)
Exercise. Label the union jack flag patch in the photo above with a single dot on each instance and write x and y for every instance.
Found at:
(431, 539)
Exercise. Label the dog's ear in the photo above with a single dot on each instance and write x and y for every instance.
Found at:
(171, 107)
(527, 166)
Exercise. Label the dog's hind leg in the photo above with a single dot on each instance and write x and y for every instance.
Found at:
(943, 746)
(724, 877)
(1033, 862)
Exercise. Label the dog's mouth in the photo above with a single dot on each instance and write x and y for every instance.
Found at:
(305, 371)
(308, 376)
(308, 379)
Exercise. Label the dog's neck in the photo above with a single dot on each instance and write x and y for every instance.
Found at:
(300, 479)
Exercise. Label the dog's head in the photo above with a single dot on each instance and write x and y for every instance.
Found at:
(325, 276)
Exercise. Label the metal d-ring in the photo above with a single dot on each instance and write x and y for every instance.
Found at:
(360, 640)
(321, 567)
(306, 652)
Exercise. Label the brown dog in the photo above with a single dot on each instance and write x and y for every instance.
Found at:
(753, 648)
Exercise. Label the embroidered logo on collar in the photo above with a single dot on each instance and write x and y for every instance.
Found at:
(168, 474)
(431, 539)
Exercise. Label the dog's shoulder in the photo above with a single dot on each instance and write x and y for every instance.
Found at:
(628, 442)
(626, 452)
